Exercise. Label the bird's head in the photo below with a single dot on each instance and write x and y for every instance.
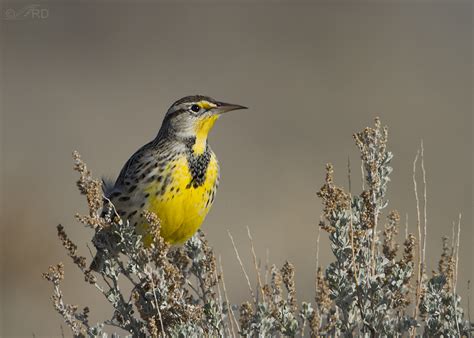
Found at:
(192, 117)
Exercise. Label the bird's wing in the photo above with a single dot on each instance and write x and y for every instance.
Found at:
(137, 160)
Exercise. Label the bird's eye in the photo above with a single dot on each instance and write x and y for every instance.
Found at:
(195, 108)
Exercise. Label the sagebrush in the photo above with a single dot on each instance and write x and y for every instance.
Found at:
(371, 288)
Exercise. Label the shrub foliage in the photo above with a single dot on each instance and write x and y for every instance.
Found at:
(371, 288)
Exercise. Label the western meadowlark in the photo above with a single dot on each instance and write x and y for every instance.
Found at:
(175, 176)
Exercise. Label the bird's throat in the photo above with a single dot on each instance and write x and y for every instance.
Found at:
(202, 129)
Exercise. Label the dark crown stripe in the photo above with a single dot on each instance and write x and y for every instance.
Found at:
(193, 98)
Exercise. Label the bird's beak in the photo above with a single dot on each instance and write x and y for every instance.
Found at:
(223, 107)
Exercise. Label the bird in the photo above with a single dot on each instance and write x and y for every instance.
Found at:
(175, 176)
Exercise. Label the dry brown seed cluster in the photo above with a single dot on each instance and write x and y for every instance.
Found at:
(274, 291)
(367, 140)
(55, 273)
(409, 250)
(334, 198)
(446, 264)
(323, 292)
(314, 323)
(403, 299)
(288, 275)
(246, 315)
(277, 282)
(367, 219)
(92, 188)
(372, 144)
(208, 268)
(71, 248)
(390, 246)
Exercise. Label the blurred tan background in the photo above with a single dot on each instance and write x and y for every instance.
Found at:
(98, 77)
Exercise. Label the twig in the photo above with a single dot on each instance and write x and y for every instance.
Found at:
(255, 264)
(150, 275)
(242, 267)
(111, 323)
(468, 301)
(113, 208)
(457, 252)
(267, 265)
(373, 186)
(349, 173)
(456, 276)
(420, 262)
(351, 228)
(374, 230)
(317, 256)
(229, 307)
(303, 326)
(453, 240)
(424, 202)
(406, 225)
(192, 287)
(219, 295)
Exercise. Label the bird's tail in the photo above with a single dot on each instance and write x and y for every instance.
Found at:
(105, 243)
(107, 185)
(98, 263)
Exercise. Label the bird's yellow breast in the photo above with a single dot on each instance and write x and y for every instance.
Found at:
(182, 206)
